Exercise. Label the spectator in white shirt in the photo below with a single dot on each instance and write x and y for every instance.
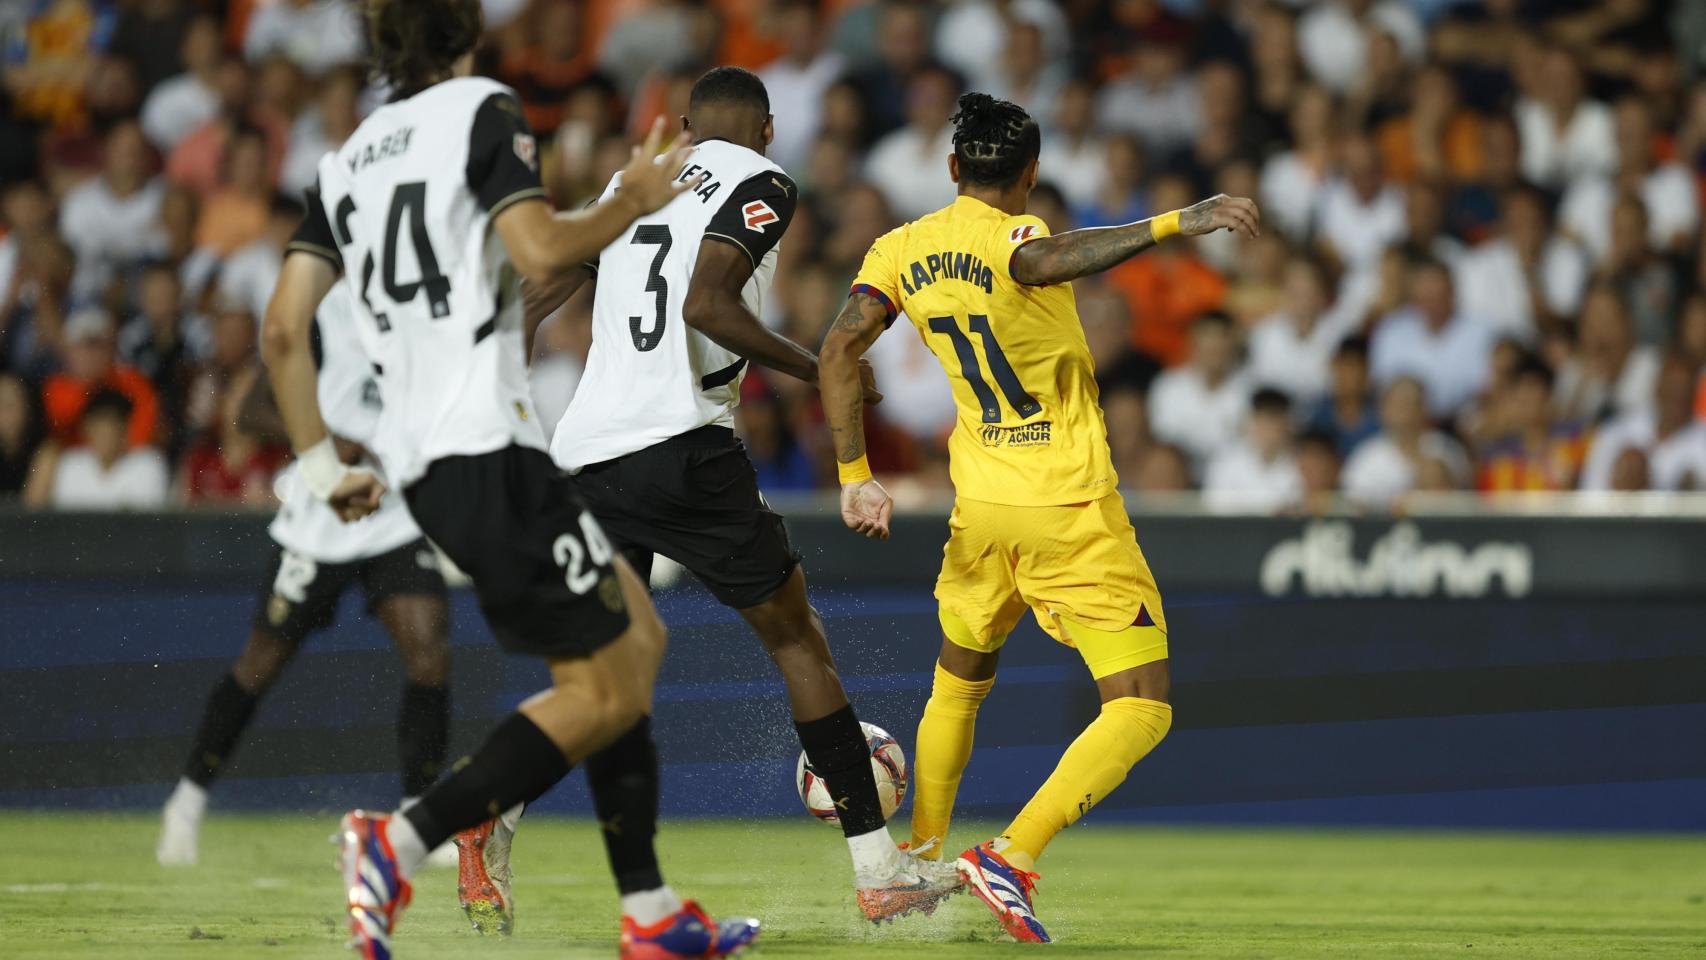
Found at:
(1333, 37)
(976, 36)
(316, 35)
(1200, 405)
(320, 129)
(1433, 342)
(797, 81)
(1525, 278)
(1290, 350)
(1259, 473)
(1647, 280)
(1024, 73)
(1074, 153)
(1564, 134)
(909, 165)
(247, 277)
(1360, 214)
(112, 221)
(103, 474)
(1405, 451)
(1671, 441)
(179, 105)
(1157, 102)
(1292, 180)
(1610, 374)
(1667, 190)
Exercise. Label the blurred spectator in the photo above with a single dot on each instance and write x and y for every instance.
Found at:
(1646, 279)
(1023, 72)
(910, 165)
(20, 435)
(1293, 179)
(1437, 137)
(1667, 190)
(1610, 374)
(91, 365)
(247, 277)
(1074, 155)
(1258, 473)
(1431, 341)
(31, 326)
(1334, 37)
(1200, 405)
(54, 56)
(1670, 441)
(1525, 278)
(177, 106)
(1539, 453)
(884, 87)
(1318, 463)
(226, 465)
(104, 473)
(112, 221)
(797, 81)
(1120, 197)
(1290, 350)
(1395, 460)
(546, 70)
(1564, 133)
(235, 214)
(1360, 214)
(659, 36)
(1168, 288)
(781, 463)
(1164, 469)
(150, 34)
(316, 35)
(164, 341)
(321, 128)
(1156, 102)
(1347, 413)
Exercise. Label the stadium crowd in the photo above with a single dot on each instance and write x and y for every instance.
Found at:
(1481, 267)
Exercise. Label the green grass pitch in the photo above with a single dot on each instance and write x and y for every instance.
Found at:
(87, 886)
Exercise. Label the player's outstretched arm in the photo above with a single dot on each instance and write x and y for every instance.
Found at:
(1078, 253)
(543, 245)
(865, 505)
(303, 282)
(714, 307)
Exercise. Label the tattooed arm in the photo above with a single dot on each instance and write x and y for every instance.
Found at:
(1077, 253)
(844, 381)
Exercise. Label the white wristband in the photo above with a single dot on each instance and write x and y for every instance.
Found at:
(320, 468)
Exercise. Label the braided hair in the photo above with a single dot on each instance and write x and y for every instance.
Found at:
(994, 140)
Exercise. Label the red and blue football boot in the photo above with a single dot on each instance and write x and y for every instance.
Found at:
(688, 932)
(1005, 890)
(376, 891)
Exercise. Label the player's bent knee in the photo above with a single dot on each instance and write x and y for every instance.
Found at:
(262, 660)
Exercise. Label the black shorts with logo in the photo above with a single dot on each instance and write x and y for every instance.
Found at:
(540, 563)
(694, 498)
(302, 594)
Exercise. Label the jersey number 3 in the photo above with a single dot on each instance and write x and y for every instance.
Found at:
(408, 200)
(1022, 402)
(657, 235)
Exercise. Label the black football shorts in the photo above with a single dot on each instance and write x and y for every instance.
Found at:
(302, 594)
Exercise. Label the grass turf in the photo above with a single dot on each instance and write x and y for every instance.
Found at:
(87, 886)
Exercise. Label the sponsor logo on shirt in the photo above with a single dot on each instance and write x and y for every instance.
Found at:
(1021, 234)
(758, 215)
(1024, 435)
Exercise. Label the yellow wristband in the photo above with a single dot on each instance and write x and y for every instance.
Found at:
(856, 472)
(1164, 226)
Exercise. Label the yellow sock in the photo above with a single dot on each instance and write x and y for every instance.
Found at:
(944, 747)
(1095, 763)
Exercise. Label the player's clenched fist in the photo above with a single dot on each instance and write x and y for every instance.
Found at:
(649, 180)
(866, 507)
(357, 495)
(1238, 214)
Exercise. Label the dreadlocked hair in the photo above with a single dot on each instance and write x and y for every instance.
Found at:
(416, 42)
(994, 140)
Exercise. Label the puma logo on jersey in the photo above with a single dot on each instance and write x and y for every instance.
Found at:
(758, 215)
(1021, 234)
(786, 188)
(527, 150)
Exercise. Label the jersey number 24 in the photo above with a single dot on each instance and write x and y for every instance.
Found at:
(408, 200)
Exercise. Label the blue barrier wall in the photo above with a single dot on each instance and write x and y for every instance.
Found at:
(1539, 712)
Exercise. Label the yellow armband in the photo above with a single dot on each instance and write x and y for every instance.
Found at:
(1164, 226)
(856, 472)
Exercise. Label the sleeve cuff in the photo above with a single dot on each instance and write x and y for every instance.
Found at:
(871, 291)
(736, 242)
(325, 253)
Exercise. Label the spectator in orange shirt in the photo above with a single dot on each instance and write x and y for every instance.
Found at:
(235, 215)
(91, 364)
(1169, 288)
(545, 72)
(1540, 453)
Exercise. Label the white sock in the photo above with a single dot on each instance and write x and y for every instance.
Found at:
(511, 818)
(406, 843)
(188, 800)
(875, 857)
(649, 906)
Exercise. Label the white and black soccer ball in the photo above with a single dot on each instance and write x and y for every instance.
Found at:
(888, 765)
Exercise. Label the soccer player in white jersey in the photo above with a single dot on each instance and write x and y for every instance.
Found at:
(648, 435)
(319, 558)
(433, 207)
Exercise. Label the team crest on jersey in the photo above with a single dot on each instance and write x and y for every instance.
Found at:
(1021, 234)
(527, 150)
(758, 216)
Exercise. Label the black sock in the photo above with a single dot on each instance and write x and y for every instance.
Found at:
(624, 781)
(228, 712)
(423, 735)
(516, 764)
(836, 749)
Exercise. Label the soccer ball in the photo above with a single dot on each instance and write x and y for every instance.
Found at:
(888, 765)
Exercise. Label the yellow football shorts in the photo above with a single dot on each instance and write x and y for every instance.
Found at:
(1077, 567)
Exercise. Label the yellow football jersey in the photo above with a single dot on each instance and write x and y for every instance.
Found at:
(1029, 430)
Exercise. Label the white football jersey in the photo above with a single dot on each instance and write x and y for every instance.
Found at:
(350, 404)
(649, 376)
(405, 207)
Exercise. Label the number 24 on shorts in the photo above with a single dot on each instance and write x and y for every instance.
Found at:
(573, 557)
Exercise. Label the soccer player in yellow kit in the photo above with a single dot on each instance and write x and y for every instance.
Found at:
(1038, 522)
